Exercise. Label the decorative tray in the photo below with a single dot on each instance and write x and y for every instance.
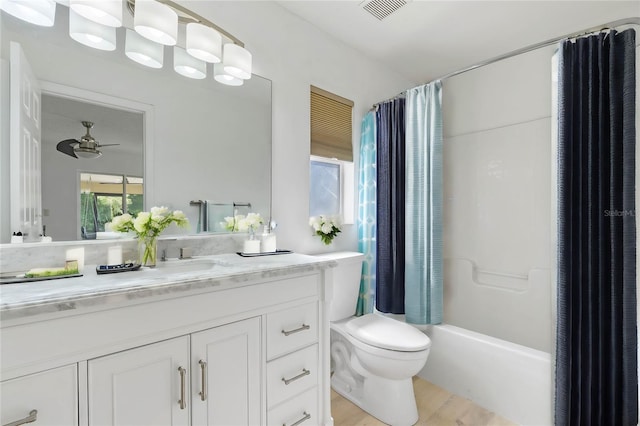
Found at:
(22, 279)
(269, 253)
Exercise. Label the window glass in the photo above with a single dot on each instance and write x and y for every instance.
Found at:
(325, 197)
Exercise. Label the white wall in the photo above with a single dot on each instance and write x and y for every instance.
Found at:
(497, 200)
(294, 54)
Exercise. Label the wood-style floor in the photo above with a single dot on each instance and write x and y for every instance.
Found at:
(436, 407)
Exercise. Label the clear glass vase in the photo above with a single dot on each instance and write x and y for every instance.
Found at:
(148, 251)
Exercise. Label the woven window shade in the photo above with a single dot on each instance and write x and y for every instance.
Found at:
(331, 125)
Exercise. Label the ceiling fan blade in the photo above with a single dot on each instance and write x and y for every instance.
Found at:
(66, 147)
(107, 144)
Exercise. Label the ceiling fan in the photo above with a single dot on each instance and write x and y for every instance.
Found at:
(86, 147)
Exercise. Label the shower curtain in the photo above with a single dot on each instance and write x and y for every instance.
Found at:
(390, 206)
(367, 213)
(423, 198)
(596, 359)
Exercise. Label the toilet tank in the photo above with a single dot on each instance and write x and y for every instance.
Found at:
(346, 283)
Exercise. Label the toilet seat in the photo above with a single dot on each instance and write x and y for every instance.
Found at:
(386, 333)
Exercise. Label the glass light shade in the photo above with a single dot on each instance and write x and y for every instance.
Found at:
(143, 51)
(204, 43)
(156, 21)
(237, 61)
(87, 153)
(187, 65)
(223, 77)
(38, 12)
(91, 34)
(105, 12)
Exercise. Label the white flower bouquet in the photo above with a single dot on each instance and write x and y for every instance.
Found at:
(149, 224)
(327, 228)
(241, 223)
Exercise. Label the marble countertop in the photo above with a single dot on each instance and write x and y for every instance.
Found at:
(171, 277)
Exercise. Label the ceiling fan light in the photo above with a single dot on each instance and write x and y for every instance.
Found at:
(223, 77)
(237, 61)
(156, 21)
(187, 65)
(91, 34)
(38, 12)
(204, 43)
(87, 153)
(143, 51)
(104, 12)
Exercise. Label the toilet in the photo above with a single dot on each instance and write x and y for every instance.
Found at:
(373, 357)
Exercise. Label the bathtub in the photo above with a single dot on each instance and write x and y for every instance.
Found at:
(511, 380)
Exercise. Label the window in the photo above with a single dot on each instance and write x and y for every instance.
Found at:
(104, 196)
(331, 165)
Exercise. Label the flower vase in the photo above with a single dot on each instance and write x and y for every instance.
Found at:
(147, 251)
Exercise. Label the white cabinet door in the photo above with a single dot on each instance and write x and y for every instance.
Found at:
(226, 374)
(49, 397)
(143, 386)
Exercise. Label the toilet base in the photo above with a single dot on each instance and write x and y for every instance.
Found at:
(390, 401)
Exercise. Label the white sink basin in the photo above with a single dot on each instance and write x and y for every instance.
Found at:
(175, 266)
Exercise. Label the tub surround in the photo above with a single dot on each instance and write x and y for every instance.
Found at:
(88, 331)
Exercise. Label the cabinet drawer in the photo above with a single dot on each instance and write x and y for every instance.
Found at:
(53, 394)
(301, 410)
(291, 329)
(292, 374)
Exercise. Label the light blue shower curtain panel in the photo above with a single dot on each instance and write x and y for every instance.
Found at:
(367, 213)
(423, 198)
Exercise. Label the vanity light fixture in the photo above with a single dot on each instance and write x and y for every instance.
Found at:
(156, 21)
(221, 76)
(90, 33)
(104, 12)
(237, 61)
(143, 51)
(188, 66)
(93, 23)
(204, 43)
(38, 12)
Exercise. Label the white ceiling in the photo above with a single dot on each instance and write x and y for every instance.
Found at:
(424, 39)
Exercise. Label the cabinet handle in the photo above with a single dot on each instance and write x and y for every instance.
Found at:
(203, 369)
(306, 416)
(305, 372)
(181, 401)
(304, 327)
(32, 417)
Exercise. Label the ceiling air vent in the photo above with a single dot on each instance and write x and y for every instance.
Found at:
(382, 8)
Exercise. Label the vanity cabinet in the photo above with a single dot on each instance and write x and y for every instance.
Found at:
(211, 377)
(239, 349)
(48, 397)
(292, 366)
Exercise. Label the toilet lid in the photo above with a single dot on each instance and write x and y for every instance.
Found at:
(387, 333)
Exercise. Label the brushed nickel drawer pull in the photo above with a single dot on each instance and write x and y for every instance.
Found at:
(303, 328)
(32, 417)
(306, 416)
(305, 372)
(203, 369)
(181, 401)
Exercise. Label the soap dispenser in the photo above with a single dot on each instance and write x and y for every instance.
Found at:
(268, 241)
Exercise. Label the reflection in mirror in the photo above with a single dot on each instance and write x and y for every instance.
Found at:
(104, 196)
(81, 213)
(199, 139)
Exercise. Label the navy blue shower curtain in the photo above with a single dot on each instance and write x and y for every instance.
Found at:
(596, 358)
(390, 208)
